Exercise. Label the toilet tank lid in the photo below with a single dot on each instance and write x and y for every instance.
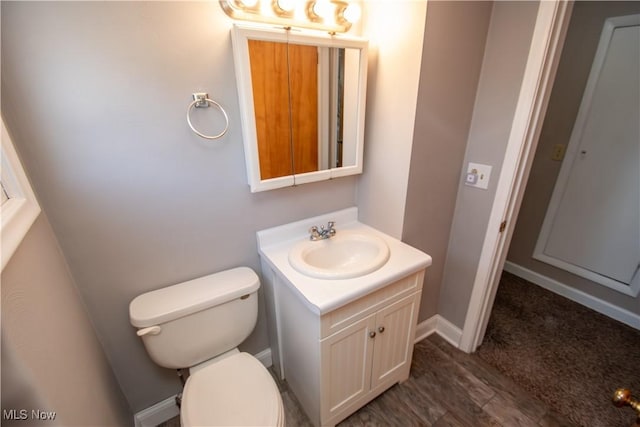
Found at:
(173, 302)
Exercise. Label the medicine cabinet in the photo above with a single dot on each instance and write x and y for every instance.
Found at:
(302, 104)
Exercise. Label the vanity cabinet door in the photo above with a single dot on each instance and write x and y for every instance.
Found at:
(393, 348)
(367, 357)
(346, 366)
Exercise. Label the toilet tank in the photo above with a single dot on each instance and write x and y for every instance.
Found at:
(185, 324)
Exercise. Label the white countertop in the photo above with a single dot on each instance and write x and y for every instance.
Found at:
(323, 295)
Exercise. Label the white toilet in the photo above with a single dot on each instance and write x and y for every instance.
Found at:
(198, 325)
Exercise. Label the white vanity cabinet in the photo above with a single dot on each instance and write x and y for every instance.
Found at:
(340, 342)
(367, 357)
(337, 362)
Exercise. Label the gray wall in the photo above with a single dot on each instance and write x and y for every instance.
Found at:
(573, 71)
(95, 95)
(505, 57)
(454, 41)
(51, 357)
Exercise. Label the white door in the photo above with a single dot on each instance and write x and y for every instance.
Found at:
(592, 227)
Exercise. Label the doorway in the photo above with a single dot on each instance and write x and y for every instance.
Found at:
(534, 204)
(549, 34)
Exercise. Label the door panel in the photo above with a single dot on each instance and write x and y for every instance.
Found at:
(592, 225)
(346, 366)
(597, 225)
(393, 349)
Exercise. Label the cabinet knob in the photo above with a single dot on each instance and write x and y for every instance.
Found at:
(381, 329)
(372, 334)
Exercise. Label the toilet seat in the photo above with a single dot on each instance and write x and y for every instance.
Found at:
(236, 391)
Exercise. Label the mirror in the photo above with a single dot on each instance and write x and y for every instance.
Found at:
(302, 100)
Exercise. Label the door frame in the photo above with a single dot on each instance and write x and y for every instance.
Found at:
(544, 54)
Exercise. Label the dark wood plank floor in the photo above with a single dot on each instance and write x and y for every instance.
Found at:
(447, 387)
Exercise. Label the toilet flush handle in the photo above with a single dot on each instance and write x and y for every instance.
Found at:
(152, 330)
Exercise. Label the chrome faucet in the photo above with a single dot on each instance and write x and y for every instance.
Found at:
(322, 233)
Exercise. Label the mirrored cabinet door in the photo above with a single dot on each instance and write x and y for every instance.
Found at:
(303, 86)
(302, 100)
(270, 87)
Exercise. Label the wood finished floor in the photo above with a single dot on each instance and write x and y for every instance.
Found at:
(447, 387)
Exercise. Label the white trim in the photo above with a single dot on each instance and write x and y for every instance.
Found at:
(450, 332)
(632, 289)
(426, 328)
(22, 208)
(167, 409)
(158, 413)
(265, 357)
(545, 48)
(601, 306)
(438, 324)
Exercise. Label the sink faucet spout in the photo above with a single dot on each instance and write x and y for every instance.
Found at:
(322, 233)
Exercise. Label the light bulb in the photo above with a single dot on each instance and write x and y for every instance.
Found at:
(352, 13)
(287, 5)
(248, 3)
(323, 8)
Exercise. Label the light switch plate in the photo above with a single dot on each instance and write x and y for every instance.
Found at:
(482, 171)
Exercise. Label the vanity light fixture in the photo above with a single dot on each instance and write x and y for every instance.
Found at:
(352, 12)
(325, 15)
(321, 9)
(286, 6)
(248, 3)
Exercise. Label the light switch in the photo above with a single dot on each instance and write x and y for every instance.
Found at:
(471, 178)
(478, 175)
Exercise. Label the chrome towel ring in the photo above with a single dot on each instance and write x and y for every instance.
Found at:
(201, 100)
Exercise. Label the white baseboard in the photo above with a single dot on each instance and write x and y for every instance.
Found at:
(426, 328)
(167, 409)
(601, 306)
(265, 357)
(450, 332)
(156, 414)
(438, 324)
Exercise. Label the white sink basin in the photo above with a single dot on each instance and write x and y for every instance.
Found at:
(348, 254)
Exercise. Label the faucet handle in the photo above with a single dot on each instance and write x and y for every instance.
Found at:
(313, 233)
(322, 233)
(330, 229)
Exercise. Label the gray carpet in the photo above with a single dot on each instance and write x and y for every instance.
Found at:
(566, 355)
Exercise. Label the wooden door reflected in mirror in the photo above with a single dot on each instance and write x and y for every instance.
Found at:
(285, 96)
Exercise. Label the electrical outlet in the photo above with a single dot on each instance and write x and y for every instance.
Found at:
(558, 152)
(478, 175)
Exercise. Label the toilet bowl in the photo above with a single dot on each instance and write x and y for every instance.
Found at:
(237, 391)
(198, 325)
